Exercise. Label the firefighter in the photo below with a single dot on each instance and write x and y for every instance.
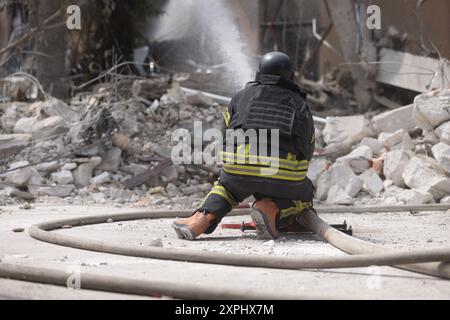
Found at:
(271, 102)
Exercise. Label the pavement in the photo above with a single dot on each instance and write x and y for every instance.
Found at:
(395, 230)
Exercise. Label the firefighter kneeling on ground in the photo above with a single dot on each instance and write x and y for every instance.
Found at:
(272, 102)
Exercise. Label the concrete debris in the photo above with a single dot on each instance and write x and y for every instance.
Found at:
(372, 182)
(349, 130)
(358, 160)
(83, 174)
(49, 128)
(375, 145)
(316, 168)
(445, 200)
(443, 132)
(432, 109)
(11, 144)
(111, 160)
(425, 174)
(394, 165)
(21, 177)
(103, 178)
(415, 197)
(48, 167)
(52, 191)
(338, 175)
(62, 177)
(441, 153)
(392, 121)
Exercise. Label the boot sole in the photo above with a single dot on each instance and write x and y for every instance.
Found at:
(262, 231)
(183, 232)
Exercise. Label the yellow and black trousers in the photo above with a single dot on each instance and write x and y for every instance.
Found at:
(287, 185)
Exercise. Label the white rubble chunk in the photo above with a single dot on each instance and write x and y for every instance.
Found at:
(11, 115)
(445, 200)
(62, 177)
(341, 175)
(391, 139)
(425, 174)
(53, 107)
(83, 174)
(441, 153)
(394, 165)
(337, 195)
(347, 130)
(316, 168)
(415, 197)
(372, 182)
(105, 177)
(392, 121)
(13, 143)
(432, 109)
(47, 167)
(375, 145)
(443, 132)
(25, 125)
(69, 167)
(49, 128)
(21, 177)
(359, 160)
(52, 191)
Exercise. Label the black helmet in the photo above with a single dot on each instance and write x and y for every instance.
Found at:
(276, 63)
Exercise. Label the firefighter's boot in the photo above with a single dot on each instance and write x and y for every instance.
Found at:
(194, 226)
(265, 214)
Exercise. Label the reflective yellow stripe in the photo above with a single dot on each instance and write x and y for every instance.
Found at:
(265, 172)
(236, 158)
(227, 118)
(222, 192)
(299, 207)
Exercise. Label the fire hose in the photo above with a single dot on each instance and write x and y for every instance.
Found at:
(434, 262)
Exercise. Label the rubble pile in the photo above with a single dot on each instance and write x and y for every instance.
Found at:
(398, 157)
(86, 151)
(114, 146)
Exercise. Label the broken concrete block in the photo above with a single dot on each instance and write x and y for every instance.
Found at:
(425, 174)
(432, 109)
(172, 190)
(394, 165)
(13, 143)
(441, 153)
(62, 177)
(415, 197)
(375, 145)
(25, 125)
(347, 130)
(341, 175)
(20, 177)
(105, 177)
(47, 167)
(69, 167)
(316, 168)
(52, 191)
(338, 196)
(134, 169)
(391, 139)
(443, 132)
(359, 160)
(111, 160)
(372, 182)
(445, 200)
(83, 174)
(170, 175)
(49, 128)
(56, 108)
(12, 114)
(196, 189)
(392, 121)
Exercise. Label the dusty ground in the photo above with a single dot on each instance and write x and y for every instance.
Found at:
(398, 230)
